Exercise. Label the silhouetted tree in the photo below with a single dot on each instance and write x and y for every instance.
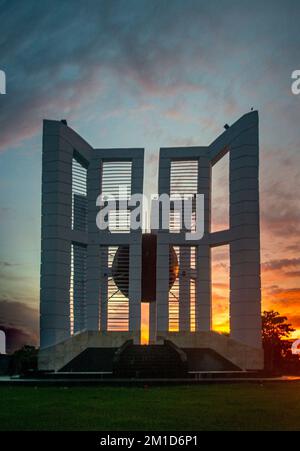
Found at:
(24, 360)
(275, 333)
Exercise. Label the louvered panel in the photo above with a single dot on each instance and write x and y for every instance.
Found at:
(175, 221)
(184, 177)
(193, 305)
(183, 182)
(116, 182)
(79, 196)
(177, 294)
(174, 299)
(117, 301)
(119, 221)
(116, 176)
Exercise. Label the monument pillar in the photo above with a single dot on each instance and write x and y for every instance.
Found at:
(245, 285)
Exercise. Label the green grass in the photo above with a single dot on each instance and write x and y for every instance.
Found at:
(273, 406)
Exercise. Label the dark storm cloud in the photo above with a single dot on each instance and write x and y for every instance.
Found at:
(6, 264)
(59, 55)
(17, 338)
(54, 53)
(20, 323)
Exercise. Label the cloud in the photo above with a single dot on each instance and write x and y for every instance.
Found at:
(280, 264)
(50, 73)
(293, 248)
(20, 322)
(222, 285)
(180, 60)
(282, 221)
(292, 274)
(292, 293)
(17, 338)
(66, 55)
(6, 264)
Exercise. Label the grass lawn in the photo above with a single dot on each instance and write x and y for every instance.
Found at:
(273, 406)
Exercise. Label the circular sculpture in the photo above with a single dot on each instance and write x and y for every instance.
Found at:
(120, 268)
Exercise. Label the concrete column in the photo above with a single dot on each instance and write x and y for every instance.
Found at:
(245, 297)
(203, 289)
(152, 322)
(94, 270)
(93, 287)
(203, 315)
(184, 288)
(103, 281)
(56, 238)
(79, 287)
(162, 286)
(135, 273)
(162, 258)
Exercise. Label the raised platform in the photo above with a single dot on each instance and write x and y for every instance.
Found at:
(242, 356)
(154, 361)
(174, 355)
(56, 357)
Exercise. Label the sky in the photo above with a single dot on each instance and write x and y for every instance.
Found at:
(149, 73)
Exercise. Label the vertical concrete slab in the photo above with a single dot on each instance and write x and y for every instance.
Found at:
(103, 288)
(203, 310)
(203, 315)
(135, 287)
(96, 317)
(56, 238)
(93, 287)
(241, 140)
(60, 144)
(152, 322)
(184, 288)
(162, 286)
(245, 298)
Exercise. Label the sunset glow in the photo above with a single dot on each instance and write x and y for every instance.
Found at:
(152, 76)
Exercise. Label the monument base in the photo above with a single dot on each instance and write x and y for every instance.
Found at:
(239, 354)
(56, 357)
(93, 351)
